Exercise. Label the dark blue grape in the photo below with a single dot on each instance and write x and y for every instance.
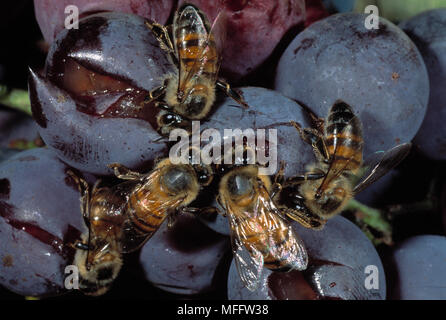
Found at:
(15, 126)
(380, 73)
(420, 263)
(428, 32)
(185, 259)
(339, 255)
(39, 218)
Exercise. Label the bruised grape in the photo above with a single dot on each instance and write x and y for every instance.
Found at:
(90, 102)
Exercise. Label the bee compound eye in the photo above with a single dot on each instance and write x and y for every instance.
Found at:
(239, 185)
(196, 104)
(168, 118)
(176, 179)
(204, 174)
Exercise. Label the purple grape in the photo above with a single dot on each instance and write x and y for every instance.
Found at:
(268, 109)
(51, 14)
(376, 192)
(185, 259)
(6, 153)
(380, 73)
(420, 263)
(428, 31)
(15, 126)
(39, 217)
(87, 104)
(339, 255)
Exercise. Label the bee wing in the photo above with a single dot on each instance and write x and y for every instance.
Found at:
(380, 163)
(291, 253)
(335, 170)
(134, 238)
(249, 264)
(209, 45)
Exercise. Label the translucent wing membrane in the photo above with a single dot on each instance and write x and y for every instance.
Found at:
(338, 166)
(249, 264)
(142, 222)
(380, 163)
(261, 237)
(198, 45)
(286, 249)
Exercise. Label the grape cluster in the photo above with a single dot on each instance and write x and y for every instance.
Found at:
(91, 107)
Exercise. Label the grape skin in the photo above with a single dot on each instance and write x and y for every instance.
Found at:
(428, 31)
(380, 73)
(130, 55)
(51, 15)
(420, 263)
(184, 259)
(39, 214)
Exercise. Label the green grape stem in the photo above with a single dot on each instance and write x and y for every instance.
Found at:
(17, 99)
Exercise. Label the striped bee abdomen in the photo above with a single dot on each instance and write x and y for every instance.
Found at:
(343, 137)
(275, 244)
(194, 43)
(146, 212)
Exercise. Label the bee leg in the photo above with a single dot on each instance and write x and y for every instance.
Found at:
(305, 218)
(302, 178)
(171, 218)
(220, 203)
(83, 188)
(162, 35)
(155, 94)
(279, 179)
(237, 97)
(317, 123)
(314, 138)
(124, 173)
(275, 190)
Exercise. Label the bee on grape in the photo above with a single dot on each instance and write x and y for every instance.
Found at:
(195, 48)
(99, 255)
(260, 234)
(339, 172)
(122, 218)
(162, 193)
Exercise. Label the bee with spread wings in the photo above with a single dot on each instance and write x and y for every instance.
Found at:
(195, 48)
(259, 233)
(339, 172)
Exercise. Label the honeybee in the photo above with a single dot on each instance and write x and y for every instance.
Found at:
(339, 172)
(260, 235)
(99, 256)
(162, 193)
(195, 48)
(123, 217)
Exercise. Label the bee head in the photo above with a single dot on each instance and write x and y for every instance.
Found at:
(97, 270)
(195, 104)
(240, 185)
